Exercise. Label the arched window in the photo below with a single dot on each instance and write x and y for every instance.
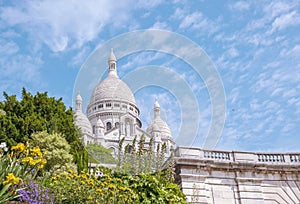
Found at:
(117, 124)
(112, 151)
(94, 129)
(108, 126)
(112, 66)
(129, 150)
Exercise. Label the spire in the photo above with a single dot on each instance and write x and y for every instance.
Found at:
(112, 64)
(156, 109)
(78, 102)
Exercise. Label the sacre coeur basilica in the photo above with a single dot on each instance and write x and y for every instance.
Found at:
(205, 176)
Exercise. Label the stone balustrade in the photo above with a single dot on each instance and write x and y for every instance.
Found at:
(270, 157)
(227, 177)
(295, 158)
(216, 155)
(237, 156)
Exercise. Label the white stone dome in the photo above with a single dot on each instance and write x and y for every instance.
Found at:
(83, 123)
(159, 125)
(112, 88)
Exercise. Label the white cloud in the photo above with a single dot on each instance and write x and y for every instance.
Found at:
(148, 4)
(277, 8)
(240, 5)
(161, 25)
(20, 71)
(197, 21)
(61, 24)
(194, 20)
(269, 12)
(294, 52)
(191, 20)
(80, 57)
(233, 52)
(286, 20)
(8, 47)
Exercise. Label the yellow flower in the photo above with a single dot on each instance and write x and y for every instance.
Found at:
(70, 171)
(82, 182)
(111, 186)
(98, 190)
(79, 188)
(27, 160)
(10, 178)
(42, 163)
(90, 198)
(36, 151)
(19, 147)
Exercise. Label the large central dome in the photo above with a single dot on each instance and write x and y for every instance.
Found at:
(112, 99)
(112, 88)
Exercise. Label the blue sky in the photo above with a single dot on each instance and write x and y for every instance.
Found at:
(254, 45)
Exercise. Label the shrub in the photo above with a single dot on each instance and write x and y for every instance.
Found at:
(57, 152)
(113, 187)
(18, 165)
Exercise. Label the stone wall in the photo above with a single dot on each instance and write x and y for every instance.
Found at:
(220, 177)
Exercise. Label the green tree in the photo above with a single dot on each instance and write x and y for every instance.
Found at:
(57, 151)
(100, 154)
(34, 114)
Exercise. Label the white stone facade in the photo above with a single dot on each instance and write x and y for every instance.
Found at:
(113, 114)
(228, 177)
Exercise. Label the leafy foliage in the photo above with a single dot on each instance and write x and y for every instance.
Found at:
(57, 151)
(100, 154)
(114, 187)
(20, 119)
(82, 188)
(34, 114)
(139, 158)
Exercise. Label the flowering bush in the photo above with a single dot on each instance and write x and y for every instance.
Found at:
(114, 188)
(16, 166)
(35, 194)
(83, 188)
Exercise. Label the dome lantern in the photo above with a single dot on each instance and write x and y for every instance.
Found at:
(78, 102)
(156, 109)
(112, 63)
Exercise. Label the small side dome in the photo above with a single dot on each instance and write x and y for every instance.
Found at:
(158, 124)
(153, 128)
(78, 98)
(82, 122)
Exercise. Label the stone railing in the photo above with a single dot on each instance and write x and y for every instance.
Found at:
(270, 157)
(295, 157)
(237, 156)
(216, 155)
